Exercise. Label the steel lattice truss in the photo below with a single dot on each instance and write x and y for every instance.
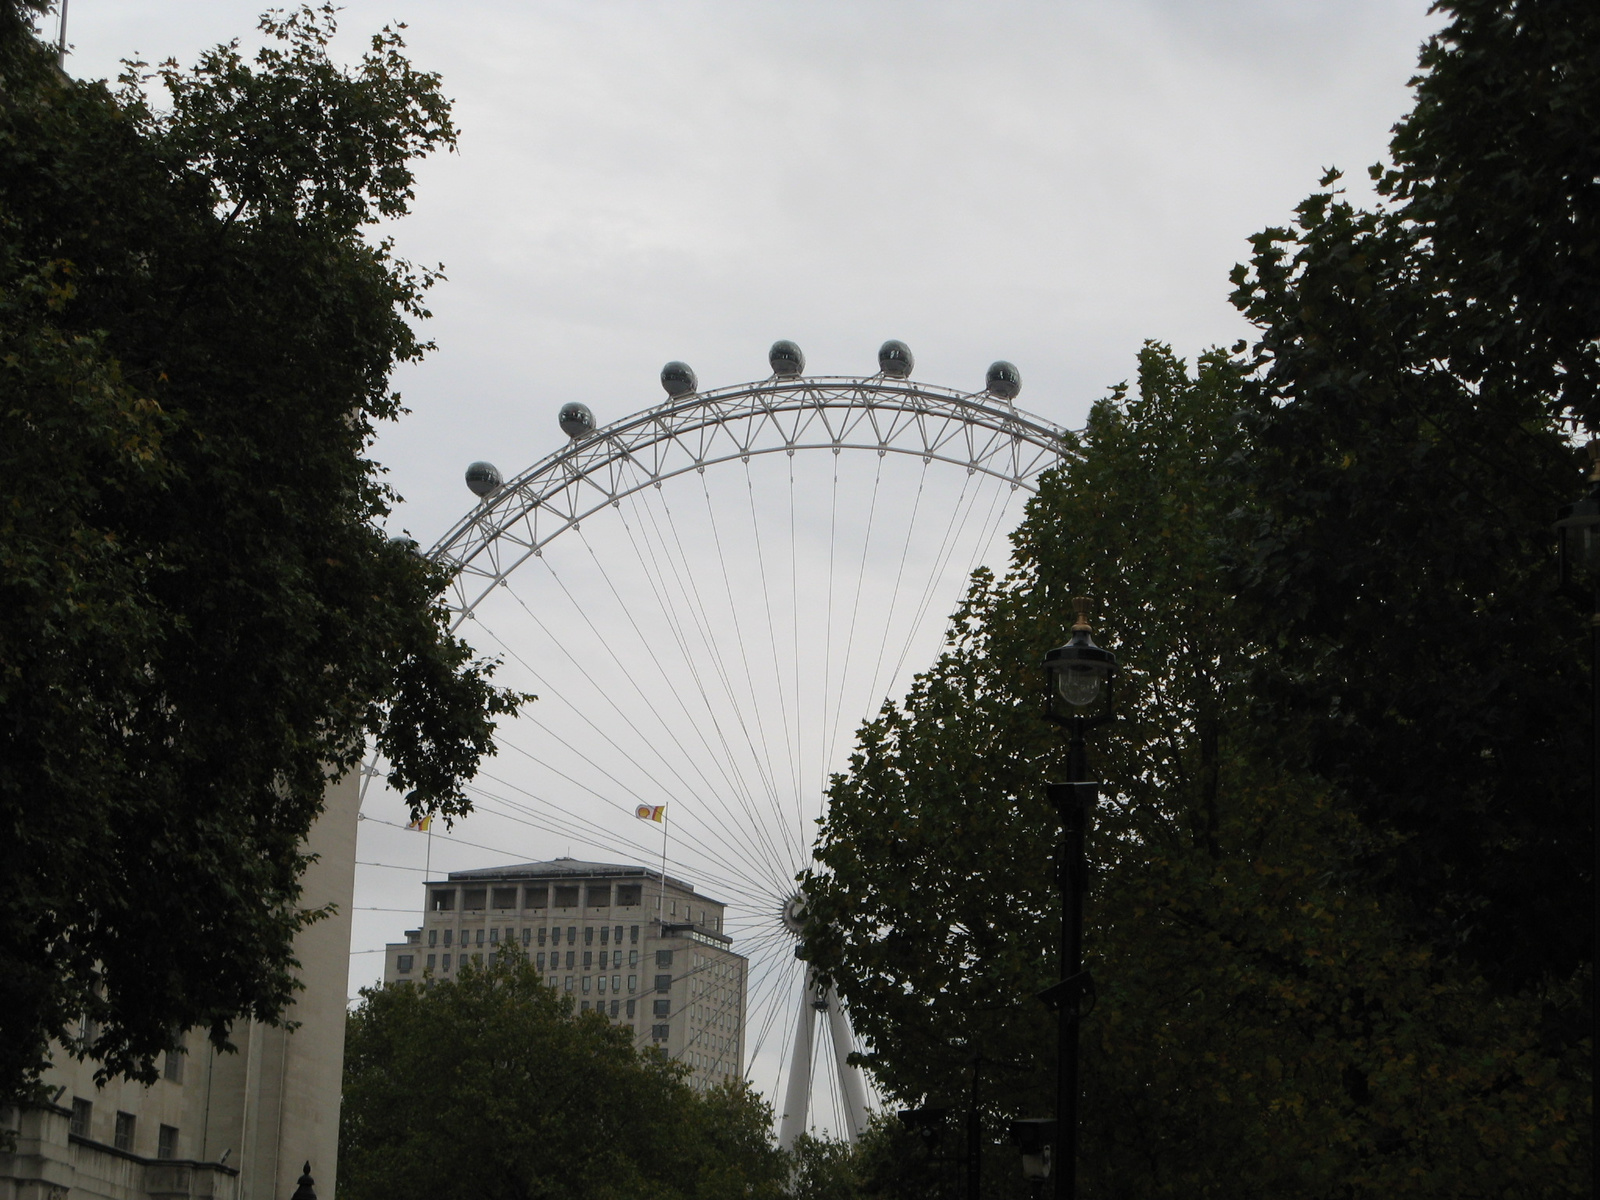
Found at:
(977, 431)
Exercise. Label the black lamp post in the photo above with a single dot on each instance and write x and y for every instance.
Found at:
(1080, 675)
(1578, 551)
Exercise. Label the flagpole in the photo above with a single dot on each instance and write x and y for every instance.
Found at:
(661, 903)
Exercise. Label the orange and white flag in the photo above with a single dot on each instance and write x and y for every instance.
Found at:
(651, 812)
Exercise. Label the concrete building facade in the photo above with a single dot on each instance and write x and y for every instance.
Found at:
(216, 1126)
(647, 951)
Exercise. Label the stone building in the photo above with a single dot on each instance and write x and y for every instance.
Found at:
(647, 951)
(215, 1126)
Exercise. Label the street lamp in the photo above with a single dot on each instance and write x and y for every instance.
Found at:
(1079, 674)
(1034, 1138)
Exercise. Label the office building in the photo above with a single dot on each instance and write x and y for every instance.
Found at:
(649, 952)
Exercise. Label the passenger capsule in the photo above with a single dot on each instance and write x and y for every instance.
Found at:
(787, 359)
(894, 359)
(678, 378)
(1004, 380)
(576, 420)
(484, 479)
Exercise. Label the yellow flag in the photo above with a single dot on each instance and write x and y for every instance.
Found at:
(651, 812)
(421, 825)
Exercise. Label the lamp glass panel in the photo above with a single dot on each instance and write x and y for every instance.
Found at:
(1078, 685)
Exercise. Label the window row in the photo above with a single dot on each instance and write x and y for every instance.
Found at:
(509, 897)
(598, 982)
(616, 1006)
(544, 933)
(124, 1130)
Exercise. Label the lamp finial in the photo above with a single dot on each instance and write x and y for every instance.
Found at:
(1081, 605)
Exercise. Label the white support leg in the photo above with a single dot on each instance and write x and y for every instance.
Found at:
(797, 1096)
(850, 1081)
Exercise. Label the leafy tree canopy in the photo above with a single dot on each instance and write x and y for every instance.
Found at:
(1341, 922)
(1407, 456)
(1266, 1022)
(491, 1086)
(199, 619)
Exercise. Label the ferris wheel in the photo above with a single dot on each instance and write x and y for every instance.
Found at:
(713, 644)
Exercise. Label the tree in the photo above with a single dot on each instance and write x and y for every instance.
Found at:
(1266, 1022)
(492, 1086)
(1416, 365)
(200, 620)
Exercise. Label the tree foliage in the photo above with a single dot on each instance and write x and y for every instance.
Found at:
(199, 619)
(491, 1086)
(1340, 921)
(1266, 1021)
(1415, 363)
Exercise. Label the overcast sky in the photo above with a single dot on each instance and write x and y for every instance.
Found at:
(1050, 183)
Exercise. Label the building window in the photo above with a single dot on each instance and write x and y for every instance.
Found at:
(402, 963)
(633, 985)
(527, 937)
(627, 894)
(616, 983)
(663, 958)
(572, 959)
(659, 1032)
(586, 979)
(605, 956)
(588, 959)
(477, 958)
(566, 895)
(662, 1008)
(505, 897)
(474, 898)
(663, 983)
(588, 935)
(480, 937)
(494, 937)
(633, 934)
(123, 1139)
(605, 935)
(444, 899)
(82, 1114)
(167, 1142)
(536, 897)
(538, 960)
(631, 1005)
(446, 962)
(433, 937)
(430, 962)
(449, 934)
(633, 958)
(572, 935)
(172, 1065)
(569, 983)
(541, 935)
(602, 983)
(585, 1005)
(599, 895)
